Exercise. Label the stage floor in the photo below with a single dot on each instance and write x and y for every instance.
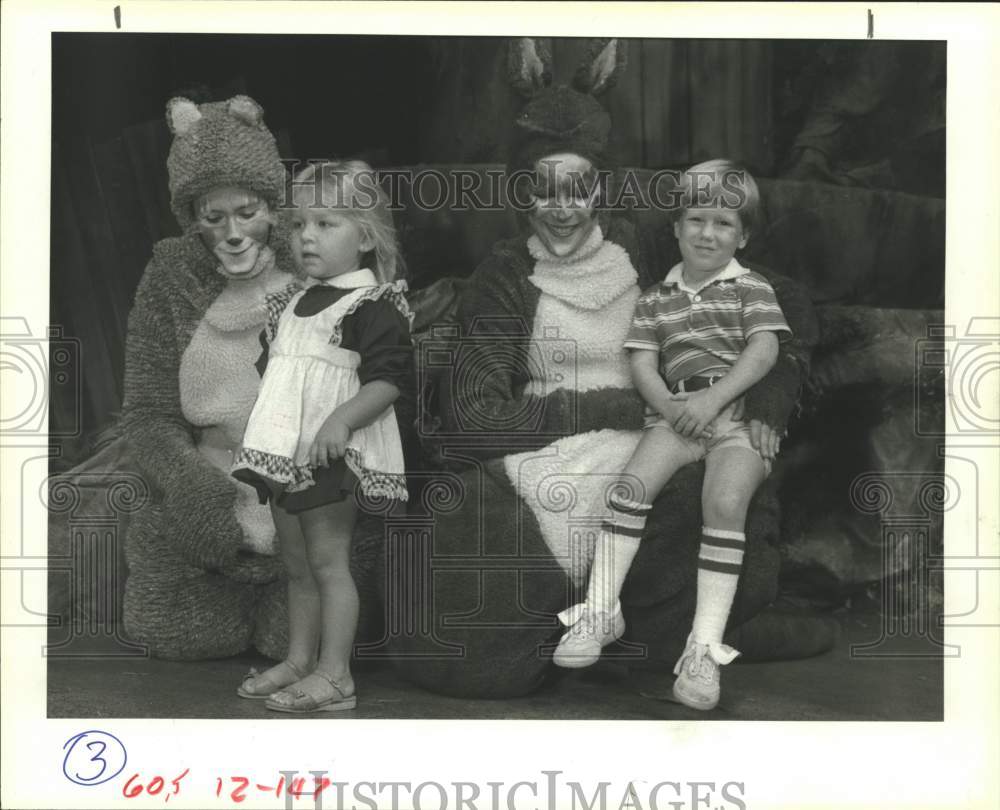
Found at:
(894, 684)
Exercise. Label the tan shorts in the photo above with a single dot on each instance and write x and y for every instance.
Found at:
(727, 432)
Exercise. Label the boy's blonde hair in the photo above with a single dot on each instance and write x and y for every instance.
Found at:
(351, 187)
(721, 180)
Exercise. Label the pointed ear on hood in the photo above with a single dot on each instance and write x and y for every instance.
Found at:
(182, 114)
(602, 66)
(246, 110)
(529, 65)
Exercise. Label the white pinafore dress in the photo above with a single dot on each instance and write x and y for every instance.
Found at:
(308, 375)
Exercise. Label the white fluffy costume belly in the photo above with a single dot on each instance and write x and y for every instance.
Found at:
(219, 384)
(584, 310)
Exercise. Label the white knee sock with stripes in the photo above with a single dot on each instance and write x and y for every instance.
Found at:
(719, 563)
(616, 547)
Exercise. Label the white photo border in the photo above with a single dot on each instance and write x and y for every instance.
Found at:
(795, 764)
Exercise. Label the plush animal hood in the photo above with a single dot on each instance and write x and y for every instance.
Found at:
(220, 144)
(561, 119)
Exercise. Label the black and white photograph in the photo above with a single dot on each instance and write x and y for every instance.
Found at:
(414, 374)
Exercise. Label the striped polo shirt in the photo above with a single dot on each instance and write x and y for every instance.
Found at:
(702, 332)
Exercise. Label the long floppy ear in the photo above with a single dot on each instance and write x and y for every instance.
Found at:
(245, 109)
(600, 69)
(529, 65)
(182, 114)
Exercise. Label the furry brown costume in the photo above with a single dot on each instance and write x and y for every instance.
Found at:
(198, 586)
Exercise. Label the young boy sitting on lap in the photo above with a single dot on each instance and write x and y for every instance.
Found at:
(699, 340)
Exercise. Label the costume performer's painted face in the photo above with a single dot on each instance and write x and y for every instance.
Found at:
(234, 224)
(564, 213)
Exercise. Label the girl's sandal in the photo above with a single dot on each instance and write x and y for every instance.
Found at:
(295, 701)
(270, 687)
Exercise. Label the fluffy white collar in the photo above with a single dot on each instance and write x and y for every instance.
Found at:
(242, 304)
(350, 281)
(594, 276)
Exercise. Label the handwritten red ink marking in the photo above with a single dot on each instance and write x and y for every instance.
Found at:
(154, 787)
(239, 786)
(239, 794)
(131, 792)
(296, 789)
(176, 782)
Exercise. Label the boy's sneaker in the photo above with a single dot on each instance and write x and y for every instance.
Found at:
(697, 671)
(589, 631)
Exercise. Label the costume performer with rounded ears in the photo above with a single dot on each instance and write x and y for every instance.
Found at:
(203, 579)
(551, 436)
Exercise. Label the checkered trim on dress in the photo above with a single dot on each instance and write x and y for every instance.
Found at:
(376, 484)
(394, 291)
(275, 468)
(303, 479)
(276, 303)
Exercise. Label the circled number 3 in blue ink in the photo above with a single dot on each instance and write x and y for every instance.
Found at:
(93, 757)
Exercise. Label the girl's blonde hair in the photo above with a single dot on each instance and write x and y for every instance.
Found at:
(351, 187)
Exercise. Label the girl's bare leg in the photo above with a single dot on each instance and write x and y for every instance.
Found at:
(303, 610)
(327, 531)
(304, 604)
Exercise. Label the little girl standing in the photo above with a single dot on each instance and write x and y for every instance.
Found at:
(339, 355)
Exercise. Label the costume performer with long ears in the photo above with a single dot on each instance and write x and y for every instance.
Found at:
(550, 433)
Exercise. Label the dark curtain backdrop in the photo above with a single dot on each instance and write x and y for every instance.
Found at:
(407, 100)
